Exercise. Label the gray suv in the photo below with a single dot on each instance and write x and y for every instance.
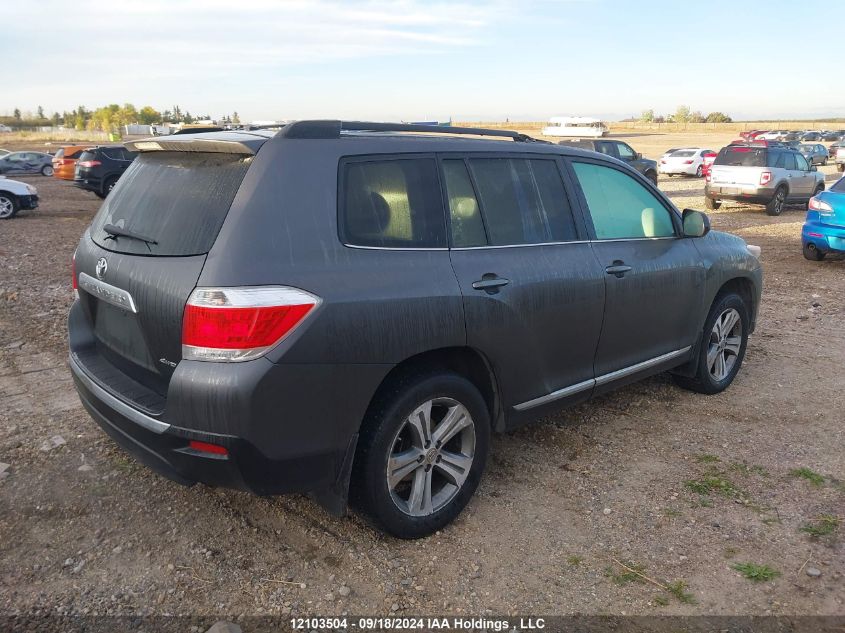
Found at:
(773, 176)
(620, 150)
(350, 309)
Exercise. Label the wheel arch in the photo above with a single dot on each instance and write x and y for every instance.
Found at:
(464, 361)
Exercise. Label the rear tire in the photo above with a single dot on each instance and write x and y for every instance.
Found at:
(776, 204)
(699, 172)
(812, 253)
(722, 346)
(9, 206)
(431, 482)
(840, 167)
(712, 204)
(47, 170)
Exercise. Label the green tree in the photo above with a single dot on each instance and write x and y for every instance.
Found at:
(56, 119)
(236, 120)
(647, 116)
(718, 117)
(147, 116)
(17, 114)
(40, 113)
(682, 114)
(696, 117)
(188, 118)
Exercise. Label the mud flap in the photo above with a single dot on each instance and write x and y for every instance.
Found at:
(334, 499)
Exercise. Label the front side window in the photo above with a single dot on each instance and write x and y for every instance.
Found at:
(392, 204)
(523, 201)
(621, 208)
(625, 151)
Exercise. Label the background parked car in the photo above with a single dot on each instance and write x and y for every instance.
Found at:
(64, 161)
(14, 196)
(26, 163)
(620, 150)
(811, 136)
(5, 129)
(831, 136)
(707, 163)
(751, 135)
(816, 153)
(3, 152)
(759, 174)
(824, 230)
(685, 162)
(99, 168)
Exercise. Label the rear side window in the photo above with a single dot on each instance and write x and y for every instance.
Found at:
(465, 215)
(392, 204)
(523, 201)
(177, 199)
(74, 154)
(742, 156)
(621, 208)
(838, 186)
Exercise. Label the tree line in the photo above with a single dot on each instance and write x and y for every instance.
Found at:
(108, 118)
(683, 114)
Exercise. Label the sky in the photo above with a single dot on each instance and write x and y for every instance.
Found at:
(425, 59)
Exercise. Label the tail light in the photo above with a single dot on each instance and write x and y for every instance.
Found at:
(687, 162)
(822, 207)
(206, 447)
(89, 163)
(74, 282)
(765, 178)
(238, 324)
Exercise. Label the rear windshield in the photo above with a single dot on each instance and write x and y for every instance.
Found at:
(683, 153)
(838, 186)
(86, 155)
(60, 153)
(176, 199)
(742, 156)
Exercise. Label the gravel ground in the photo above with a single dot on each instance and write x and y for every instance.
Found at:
(84, 529)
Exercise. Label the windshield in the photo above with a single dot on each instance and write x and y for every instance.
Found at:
(742, 157)
(177, 199)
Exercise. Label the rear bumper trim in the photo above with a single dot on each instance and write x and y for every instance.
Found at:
(130, 413)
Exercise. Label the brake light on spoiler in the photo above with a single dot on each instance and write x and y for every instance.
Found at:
(239, 324)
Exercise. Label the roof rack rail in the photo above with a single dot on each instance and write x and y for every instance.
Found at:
(325, 129)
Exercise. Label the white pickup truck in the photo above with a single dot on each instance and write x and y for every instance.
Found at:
(14, 196)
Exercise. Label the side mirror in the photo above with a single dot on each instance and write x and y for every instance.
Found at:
(696, 223)
(813, 167)
(638, 156)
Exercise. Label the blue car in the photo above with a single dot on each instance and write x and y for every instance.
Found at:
(824, 230)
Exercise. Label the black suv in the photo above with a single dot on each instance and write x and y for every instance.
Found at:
(620, 150)
(350, 309)
(99, 168)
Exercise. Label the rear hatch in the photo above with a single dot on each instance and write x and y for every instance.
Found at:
(85, 163)
(739, 165)
(142, 256)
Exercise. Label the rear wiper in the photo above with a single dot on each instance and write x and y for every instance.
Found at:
(115, 231)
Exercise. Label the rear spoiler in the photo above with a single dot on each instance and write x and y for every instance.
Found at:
(221, 143)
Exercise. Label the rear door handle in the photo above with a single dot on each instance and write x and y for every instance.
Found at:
(618, 268)
(490, 283)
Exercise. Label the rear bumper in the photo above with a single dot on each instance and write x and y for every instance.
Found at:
(745, 193)
(287, 428)
(89, 183)
(825, 237)
(686, 170)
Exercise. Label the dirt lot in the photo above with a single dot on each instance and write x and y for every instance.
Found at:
(85, 529)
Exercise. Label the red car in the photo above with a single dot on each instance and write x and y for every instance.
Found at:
(708, 157)
(751, 135)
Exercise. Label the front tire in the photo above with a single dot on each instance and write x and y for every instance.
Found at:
(776, 204)
(710, 203)
(699, 172)
(722, 346)
(652, 177)
(9, 206)
(421, 452)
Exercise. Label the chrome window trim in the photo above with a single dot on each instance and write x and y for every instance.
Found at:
(476, 248)
(127, 411)
(108, 293)
(601, 380)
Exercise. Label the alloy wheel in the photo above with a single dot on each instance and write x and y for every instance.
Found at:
(431, 456)
(7, 207)
(724, 344)
(780, 197)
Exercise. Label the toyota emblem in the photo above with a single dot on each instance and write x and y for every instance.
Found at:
(102, 267)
